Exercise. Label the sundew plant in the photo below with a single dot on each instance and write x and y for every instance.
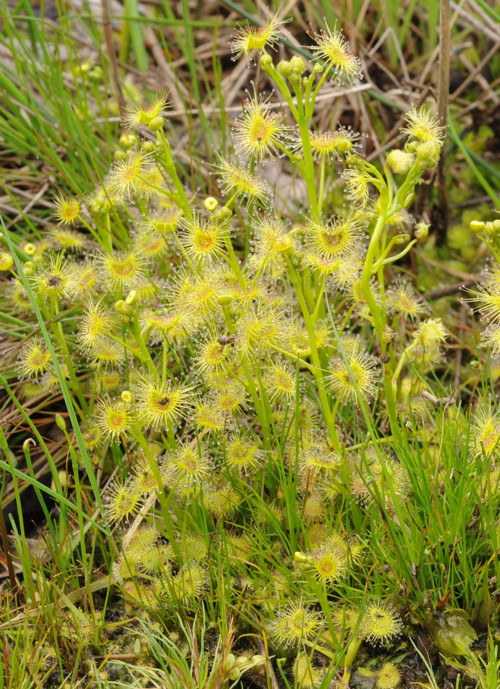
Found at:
(264, 458)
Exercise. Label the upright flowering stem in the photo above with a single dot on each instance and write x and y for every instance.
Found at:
(378, 315)
(169, 166)
(315, 358)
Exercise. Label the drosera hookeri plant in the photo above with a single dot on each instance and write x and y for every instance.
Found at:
(244, 367)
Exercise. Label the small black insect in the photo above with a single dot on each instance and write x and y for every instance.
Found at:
(54, 281)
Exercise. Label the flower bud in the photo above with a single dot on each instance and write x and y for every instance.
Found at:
(421, 231)
(148, 146)
(401, 239)
(131, 297)
(491, 228)
(224, 299)
(6, 261)
(28, 443)
(242, 660)
(127, 397)
(119, 155)
(301, 557)
(235, 674)
(318, 69)
(29, 249)
(258, 659)
(230, 661)
(128, 139)
(96, 74)
(428, 154)
(400, 162)
(60, 422)
(29, 267)
(210, 203)
(122, 307)
(266, 61)
(222, 214)
(284, 68)
(297, 65)
(156, 123)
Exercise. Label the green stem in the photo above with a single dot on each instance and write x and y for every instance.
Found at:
(317, 370)
(169, 166)
(321, 184)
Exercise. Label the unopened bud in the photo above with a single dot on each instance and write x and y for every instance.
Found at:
(224, 299)
(210, 203)
(428, 154)
(122, 307)
(235, 674)
(96, 74)
(131, 297)
(230, 661)
(127, 397)
(28, 443)
(29, 249)
(318, 69)
(148, 146)
(284, 67)
(222, 214)
(242, 660)
(401, 239)
(266, 61)
(421, 231)
(492, 228)
(29, 267)
(128, 139)
(156, 123)
(297, 65)
(477, 226)
(400, 162)
(60, 422)
(6, 261)
(119, 155)
(258, 659)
